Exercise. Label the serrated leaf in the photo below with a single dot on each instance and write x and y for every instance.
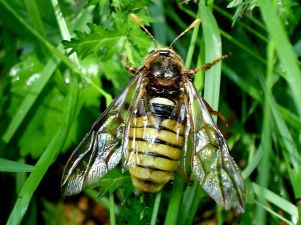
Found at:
(99, 42)
(138, 210)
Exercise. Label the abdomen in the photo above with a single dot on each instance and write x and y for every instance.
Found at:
(154, 150)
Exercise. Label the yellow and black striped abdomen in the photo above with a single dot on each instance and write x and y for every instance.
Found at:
(154, 150)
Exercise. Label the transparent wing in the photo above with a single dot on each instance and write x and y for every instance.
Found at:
(211, 162)
(100, 150)
(138, 110)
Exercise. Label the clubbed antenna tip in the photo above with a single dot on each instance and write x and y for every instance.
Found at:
(136, 20)
(192, 25)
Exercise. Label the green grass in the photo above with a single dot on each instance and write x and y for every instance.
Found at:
(50, 97)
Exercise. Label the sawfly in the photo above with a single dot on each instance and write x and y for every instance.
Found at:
(157, 125)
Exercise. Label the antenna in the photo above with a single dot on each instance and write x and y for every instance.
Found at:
(136, 20)
(194, 23)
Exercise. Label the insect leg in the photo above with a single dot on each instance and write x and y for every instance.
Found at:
(209, 65)
(129, 68)
(216, 113)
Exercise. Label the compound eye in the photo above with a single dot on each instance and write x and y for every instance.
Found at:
(169, 74)
(157, 69)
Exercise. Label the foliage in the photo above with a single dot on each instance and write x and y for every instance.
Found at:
(53, 87)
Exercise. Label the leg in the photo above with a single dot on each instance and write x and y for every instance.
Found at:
(208, 65)
(129, 68)
(216, 113)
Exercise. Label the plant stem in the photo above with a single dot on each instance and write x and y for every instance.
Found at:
(156, 208)
(175, 200)
(112, 209)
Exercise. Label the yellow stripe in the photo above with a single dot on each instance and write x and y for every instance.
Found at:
(160, 177)
(152, 133)
(143, 146)
(152, 121)
(173, 125)
(146, 186)
(151, 162)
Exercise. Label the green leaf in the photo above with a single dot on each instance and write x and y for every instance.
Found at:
(284, 49)
(113, 180)
(29, 100)
(98, 41)
(43, 163)
(34, 179)
(54, 213)
(31, 31)
(234, 3)
(276, 199)
(213, 51)
(46, 120)
(13, 166)
(175, 201)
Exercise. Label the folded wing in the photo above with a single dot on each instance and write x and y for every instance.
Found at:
(211, 162)
(100, 150)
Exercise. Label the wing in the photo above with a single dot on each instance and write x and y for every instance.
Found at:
(138, 109)
(211, 162)
(100, 150)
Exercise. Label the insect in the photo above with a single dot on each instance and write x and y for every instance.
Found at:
(157, 125)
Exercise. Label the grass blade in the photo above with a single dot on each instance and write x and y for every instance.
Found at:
(175, 202)
(34, 179)
(13, 166)
(156, 208)
(211, 93)
(283, 47)
(112, 208)
(276, 200)
(44, 162)
(266, 134)
(213, 50)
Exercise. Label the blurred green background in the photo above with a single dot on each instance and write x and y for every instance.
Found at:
(50, 98)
